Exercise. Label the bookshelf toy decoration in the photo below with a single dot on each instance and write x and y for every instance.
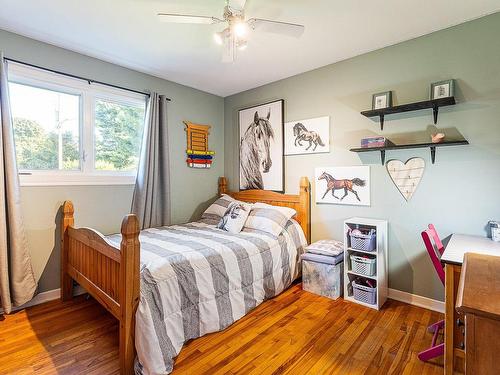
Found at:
(198, 154)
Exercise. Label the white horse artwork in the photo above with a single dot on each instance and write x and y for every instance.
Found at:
(261, 149)
(309, 136)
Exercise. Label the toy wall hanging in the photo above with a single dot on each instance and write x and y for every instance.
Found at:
(198, 154)
(406, 176)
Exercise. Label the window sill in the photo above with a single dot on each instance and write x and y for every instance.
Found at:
(75, 180)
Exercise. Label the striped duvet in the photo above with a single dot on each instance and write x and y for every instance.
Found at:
(196, 279)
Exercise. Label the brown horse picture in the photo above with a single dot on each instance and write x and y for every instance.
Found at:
(333, 184)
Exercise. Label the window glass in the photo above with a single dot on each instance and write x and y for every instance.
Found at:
(46, 128)
(117, 135)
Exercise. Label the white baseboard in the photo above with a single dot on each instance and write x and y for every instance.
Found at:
(47, 296)
(416, 300)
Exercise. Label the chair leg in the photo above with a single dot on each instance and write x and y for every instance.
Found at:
(431, 353)
(436, 326)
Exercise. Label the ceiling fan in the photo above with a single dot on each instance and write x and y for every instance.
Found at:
(235, 36)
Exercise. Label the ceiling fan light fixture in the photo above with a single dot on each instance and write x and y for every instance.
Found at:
(240, 29)
(242, 45)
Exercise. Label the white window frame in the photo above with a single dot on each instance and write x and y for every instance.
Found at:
(89, 93)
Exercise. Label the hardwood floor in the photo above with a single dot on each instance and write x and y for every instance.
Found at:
(295, 333)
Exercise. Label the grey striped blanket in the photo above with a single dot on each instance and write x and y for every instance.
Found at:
(197, 279)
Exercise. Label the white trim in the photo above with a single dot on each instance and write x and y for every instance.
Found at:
(420, 301)
(65, 179)
(47, 296)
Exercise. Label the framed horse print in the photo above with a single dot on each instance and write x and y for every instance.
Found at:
(310, 136)
(261, 147)
(343, 185)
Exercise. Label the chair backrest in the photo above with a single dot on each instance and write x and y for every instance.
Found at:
(435, 237)
(433, 253)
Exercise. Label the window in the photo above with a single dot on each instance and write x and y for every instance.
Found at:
(67, 131)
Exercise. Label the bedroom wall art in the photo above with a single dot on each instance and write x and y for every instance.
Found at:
(198, 154)
(261, 147)
(311, 136)
(343, 185)
(406, 176)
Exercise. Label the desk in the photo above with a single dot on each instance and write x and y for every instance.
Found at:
(454, 353)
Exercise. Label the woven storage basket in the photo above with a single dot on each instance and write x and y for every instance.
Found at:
(365, 242)
(363, 265)
(364, 293)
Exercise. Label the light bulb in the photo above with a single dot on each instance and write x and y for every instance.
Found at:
(240, 29)
(218, 38)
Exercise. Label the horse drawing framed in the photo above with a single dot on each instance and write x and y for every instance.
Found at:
(343, 185)
(261, 147)
(310, 136)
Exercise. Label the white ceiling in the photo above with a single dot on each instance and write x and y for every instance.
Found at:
(128, 33)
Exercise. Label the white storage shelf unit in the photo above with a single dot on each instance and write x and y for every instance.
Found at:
(381, 276)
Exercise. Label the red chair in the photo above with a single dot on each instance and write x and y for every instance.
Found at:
(435, 251)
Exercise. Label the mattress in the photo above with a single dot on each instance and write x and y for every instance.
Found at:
(197, 279)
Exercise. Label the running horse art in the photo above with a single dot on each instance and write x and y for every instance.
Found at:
(255, 156)
(332, 184)
(301, 133)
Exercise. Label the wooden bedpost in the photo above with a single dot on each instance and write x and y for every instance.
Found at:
(129, 290)
(222, 185)
(305, 202)
(68, 220)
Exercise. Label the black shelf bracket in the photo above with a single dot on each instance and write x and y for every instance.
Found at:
(433, 154)
(382, 156)
(435, 111)
(381, 121)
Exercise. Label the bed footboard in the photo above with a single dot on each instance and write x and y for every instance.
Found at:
(109, 274)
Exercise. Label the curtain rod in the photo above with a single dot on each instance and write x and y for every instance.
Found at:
(79, 77)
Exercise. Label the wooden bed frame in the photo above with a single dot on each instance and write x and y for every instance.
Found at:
(111, 274)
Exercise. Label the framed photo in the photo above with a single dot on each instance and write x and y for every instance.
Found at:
(442, 89)
(261, 147)
(343, 185)
(310, 136)
(382, 100)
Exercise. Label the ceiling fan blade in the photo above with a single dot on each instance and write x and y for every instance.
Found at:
(237, 4)
(186, 18)
(276, 27)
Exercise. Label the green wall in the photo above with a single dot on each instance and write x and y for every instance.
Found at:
(460, 193)
(103, 207)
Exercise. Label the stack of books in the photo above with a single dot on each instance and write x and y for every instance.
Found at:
(375, 142)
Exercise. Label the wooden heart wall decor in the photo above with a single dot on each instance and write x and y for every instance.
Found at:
(406, 176)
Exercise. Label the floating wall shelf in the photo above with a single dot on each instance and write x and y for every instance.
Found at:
(432, 147)
(426, 104)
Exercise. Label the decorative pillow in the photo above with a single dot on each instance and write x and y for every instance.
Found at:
(218, 208)
(270, 219)
(235, 216)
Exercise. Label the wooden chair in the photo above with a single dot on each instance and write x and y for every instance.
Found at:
(433, 250)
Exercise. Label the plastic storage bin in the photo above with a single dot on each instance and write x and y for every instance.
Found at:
(365, 242)
(364, 293)
(320, 277)
(363, 265)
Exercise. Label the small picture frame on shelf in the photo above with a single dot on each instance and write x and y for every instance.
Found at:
(442, 89)
(382, 100)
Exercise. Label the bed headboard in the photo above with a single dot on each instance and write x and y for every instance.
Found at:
(300, 203)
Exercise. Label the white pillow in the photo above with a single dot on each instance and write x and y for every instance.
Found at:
(218, 208)
(268, 218)
(235, 216)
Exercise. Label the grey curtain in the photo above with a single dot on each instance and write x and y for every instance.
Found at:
(151, 200)
(17, 281)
